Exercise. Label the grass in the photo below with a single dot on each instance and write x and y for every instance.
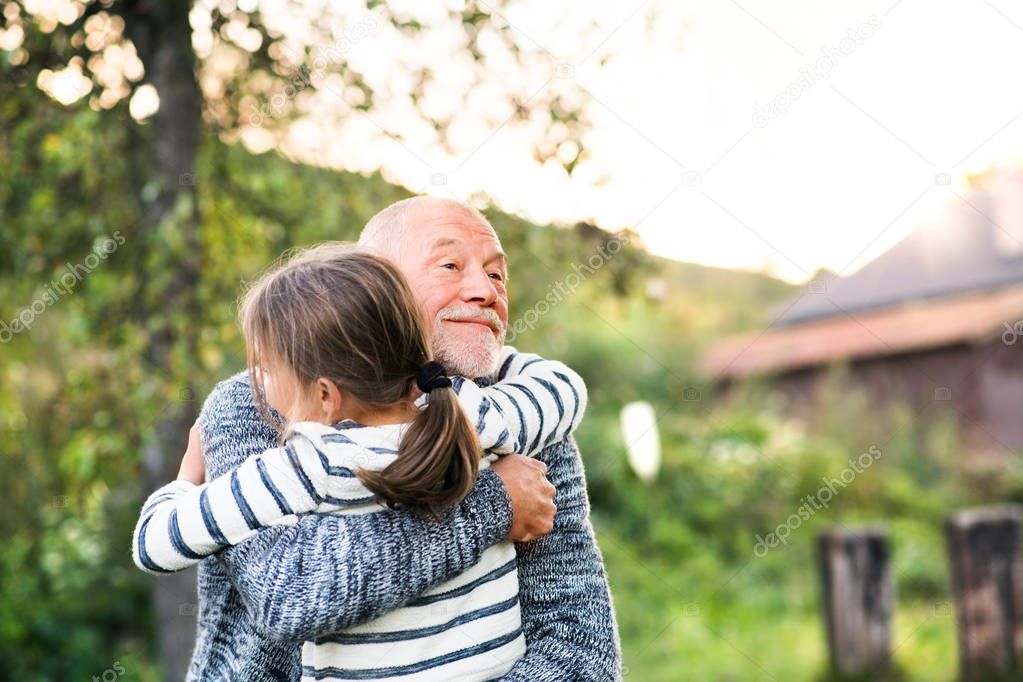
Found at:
(695, 620)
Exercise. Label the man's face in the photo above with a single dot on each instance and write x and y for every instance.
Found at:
(457, 271)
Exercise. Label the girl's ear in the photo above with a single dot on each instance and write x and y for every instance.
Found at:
(329, 397)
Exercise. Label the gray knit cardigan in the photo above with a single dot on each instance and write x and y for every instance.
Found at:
(259, 601)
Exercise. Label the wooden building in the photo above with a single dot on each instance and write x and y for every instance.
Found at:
(938, 317)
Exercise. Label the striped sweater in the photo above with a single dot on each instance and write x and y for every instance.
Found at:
(466, 628)
(259, 601)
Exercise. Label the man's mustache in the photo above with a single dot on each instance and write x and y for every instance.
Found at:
(472, 314)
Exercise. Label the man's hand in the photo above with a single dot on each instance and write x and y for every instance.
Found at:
(192, 468)
(532, 496)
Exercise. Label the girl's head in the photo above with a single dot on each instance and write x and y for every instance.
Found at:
(334, 333)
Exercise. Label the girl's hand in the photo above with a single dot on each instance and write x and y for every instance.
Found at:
(192, 467)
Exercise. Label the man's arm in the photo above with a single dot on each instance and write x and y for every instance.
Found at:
(326, 573)
(567, 616)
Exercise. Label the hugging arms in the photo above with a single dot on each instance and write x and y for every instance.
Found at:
(325, 573)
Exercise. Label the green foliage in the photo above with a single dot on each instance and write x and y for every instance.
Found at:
(689, 589)
(695, 599)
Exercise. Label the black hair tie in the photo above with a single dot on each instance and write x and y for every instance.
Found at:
(432, 376)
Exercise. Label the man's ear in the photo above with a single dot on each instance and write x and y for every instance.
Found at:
(329, 396)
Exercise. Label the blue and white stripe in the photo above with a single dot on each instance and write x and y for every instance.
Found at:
(537, 402)
(467, 628)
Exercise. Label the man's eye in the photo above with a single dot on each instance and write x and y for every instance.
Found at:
(450, 266)
(497, 276)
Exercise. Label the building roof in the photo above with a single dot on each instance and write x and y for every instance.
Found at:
(915, 326)
(953, 282)
(974, 248)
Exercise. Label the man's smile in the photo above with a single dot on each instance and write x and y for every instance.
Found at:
(480, 324)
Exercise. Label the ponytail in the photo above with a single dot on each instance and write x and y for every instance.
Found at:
(438, 460)
(351, 317)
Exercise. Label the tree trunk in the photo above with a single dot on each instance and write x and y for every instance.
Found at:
(987, 583)
(168, 231)
(858, 598)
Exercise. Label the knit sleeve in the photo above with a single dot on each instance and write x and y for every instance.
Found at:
(567, 614)
(328, 572)
(535, 402)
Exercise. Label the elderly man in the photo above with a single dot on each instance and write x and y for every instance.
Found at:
(258, 601)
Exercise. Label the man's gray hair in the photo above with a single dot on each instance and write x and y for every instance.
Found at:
(385, 232)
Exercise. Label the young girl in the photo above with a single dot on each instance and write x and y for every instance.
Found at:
(337, 347)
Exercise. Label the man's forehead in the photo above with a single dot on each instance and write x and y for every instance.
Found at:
(440, 242)
(445, 228)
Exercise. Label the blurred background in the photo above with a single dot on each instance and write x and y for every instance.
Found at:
(775, 237)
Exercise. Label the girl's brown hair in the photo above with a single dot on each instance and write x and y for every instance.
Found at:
(348, 316)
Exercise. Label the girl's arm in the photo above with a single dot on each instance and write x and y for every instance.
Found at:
(329, 572)
(535, 402)
(183, 523)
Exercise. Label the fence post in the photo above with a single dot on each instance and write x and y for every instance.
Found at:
(858, 597)
(987, 585)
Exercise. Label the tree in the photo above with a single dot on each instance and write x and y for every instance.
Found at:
(221, 68)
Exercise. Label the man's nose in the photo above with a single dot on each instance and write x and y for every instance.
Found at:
(477, 287)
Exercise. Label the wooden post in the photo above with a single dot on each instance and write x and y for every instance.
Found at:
(858, 597)
(987, 584)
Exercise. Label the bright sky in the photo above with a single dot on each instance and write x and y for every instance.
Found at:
(928, 90)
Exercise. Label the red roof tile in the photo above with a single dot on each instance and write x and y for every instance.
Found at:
(914, 326)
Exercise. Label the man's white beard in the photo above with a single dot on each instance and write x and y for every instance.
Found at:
(472, 359)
